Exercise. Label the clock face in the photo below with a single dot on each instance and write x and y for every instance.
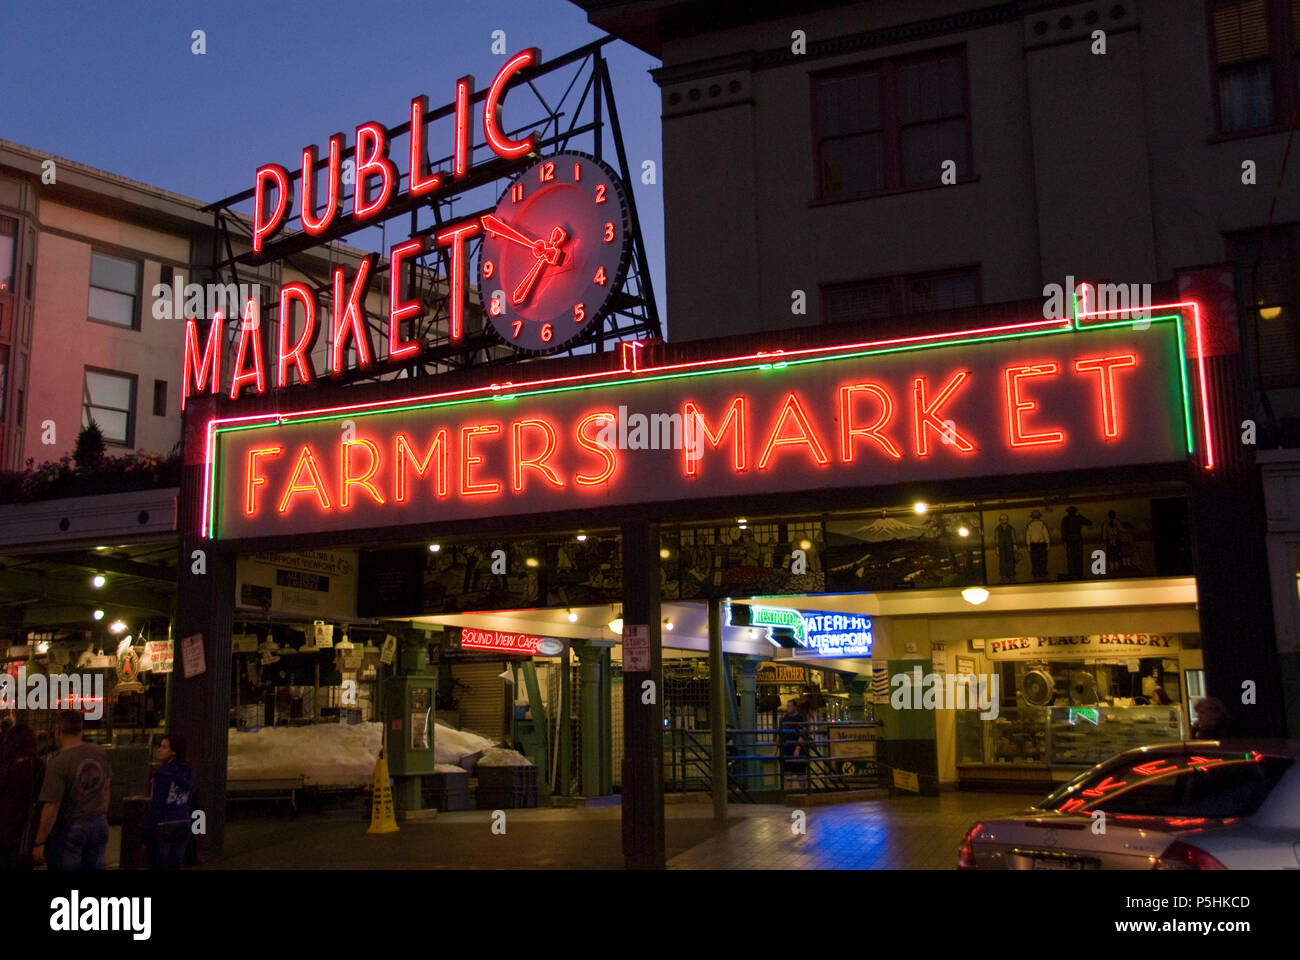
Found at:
(553, 252)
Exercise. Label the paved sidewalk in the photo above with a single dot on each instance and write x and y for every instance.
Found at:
(903, 832)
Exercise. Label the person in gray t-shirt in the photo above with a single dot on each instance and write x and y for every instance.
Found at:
(74, 797)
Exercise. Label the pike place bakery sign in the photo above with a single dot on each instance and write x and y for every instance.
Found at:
(1104, 645)
(1028, 398)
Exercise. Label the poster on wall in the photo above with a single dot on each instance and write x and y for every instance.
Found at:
(907, 551)
(762, 559)
(321, 583)
(1095, 540)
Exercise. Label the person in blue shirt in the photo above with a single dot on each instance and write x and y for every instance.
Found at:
(167, 826)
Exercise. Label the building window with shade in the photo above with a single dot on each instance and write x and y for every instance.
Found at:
(1255, 56)
(108, 398)
(114, 291)
(890, 125)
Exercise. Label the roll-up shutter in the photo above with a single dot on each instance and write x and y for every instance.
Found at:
(482, 698)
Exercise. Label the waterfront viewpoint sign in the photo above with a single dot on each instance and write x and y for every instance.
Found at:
(1033, 397)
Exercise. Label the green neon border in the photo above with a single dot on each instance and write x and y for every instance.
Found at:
(1075, 327)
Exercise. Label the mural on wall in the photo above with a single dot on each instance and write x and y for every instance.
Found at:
(472, 576)
(909, 551)
(763, 559)
(583, 571)
(1084, 541)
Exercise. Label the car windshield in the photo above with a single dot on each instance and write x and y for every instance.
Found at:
(1210, 785)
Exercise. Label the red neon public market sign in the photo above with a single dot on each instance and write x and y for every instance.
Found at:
(1025, 398)
(376, 182)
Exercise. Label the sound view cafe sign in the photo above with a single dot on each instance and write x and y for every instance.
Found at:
(1033, 397)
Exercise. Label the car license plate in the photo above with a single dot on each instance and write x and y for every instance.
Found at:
(1061, 863)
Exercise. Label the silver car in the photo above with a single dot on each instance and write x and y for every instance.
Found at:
(1190, 805)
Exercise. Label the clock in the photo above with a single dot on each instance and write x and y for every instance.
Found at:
(554, 251)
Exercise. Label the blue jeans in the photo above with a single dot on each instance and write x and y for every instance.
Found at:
(167, 845)
(80, 845)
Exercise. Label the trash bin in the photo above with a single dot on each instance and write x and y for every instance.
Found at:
(133, 855)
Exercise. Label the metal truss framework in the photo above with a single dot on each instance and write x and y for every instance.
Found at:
(573, 109)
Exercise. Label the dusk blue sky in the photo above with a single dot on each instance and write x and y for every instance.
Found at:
(114, 85)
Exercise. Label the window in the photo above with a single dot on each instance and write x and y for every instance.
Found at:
(890, 125)
(160, 398)
(1256, 57)
(114, 285)
(1268, 276)
(109, 399)
(902, 295)
(8, 243)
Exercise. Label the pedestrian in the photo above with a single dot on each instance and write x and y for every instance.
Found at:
(1039, 539)
(1212, 719)
(21, 774)
(166, 829)
(73, 832)
(1072, 525)
(794, 749)
(1005, 535)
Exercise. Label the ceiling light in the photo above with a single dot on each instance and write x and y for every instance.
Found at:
(1270, 313)
(98, 580)
(668, 624)
(582, 538)
(975, 595)
(752, 633)
(435, 547)
(805, 544)
(98, 614)
(616, 625)
(573, 617)
(920, 506)
(530, 562)
(42, 647)
(963, 531)
(663, 553)
(117, 626)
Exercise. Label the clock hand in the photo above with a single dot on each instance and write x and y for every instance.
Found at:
(504, 230)
(550, 253)
(526, 284)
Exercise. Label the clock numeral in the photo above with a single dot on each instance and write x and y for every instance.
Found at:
(600, 193)
(577, 172)
(600, 277)
(497, 306)
(547, 172)
(516, 192)
(547, 333)
(609, 232)
(488, 269)
(579, 312)
(518, 325)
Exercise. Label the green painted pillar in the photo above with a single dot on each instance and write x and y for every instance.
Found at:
(589, 677)
(606, 724)
(748, 682)
(718, 711)
(858, 688)
(564, 781)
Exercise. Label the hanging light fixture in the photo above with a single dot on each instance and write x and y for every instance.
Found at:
(616, 623)
(573, 617)
(98, 581)
(975, 595)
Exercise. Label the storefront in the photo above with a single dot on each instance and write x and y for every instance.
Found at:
(984, 481)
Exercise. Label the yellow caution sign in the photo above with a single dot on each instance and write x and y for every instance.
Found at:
(382, 818)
